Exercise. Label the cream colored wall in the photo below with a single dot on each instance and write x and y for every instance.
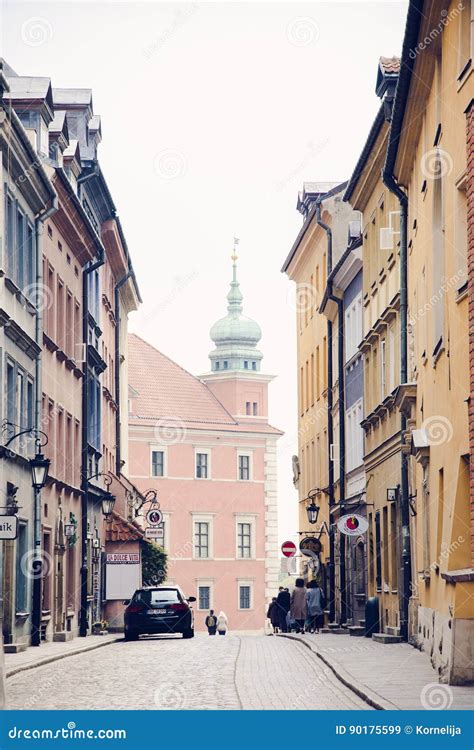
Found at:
(309, 273)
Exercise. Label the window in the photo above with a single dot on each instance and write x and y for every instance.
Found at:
(244, 540)
(21, 572)
(226, 364)
(378, 553)
(248, 408)
(157, 463)
(218, 364)
(244, 597)
(255, 409)
(353, 327)
(383, 387)
(204, 597)
(254, 365)
(202, 465)
(438, 264)
(201, 539)
(246, 365)
(244, 467)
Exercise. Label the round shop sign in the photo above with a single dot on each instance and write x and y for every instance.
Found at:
(154, 517)
(310, 546)
(352, 524)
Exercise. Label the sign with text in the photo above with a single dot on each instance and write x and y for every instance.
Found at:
(352, 524)
(123, 574)
(155, 532)
(8, 527)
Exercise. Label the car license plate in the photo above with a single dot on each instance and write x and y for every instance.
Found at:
(157, 611)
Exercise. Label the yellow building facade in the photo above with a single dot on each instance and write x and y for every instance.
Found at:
(430, 156)
(380, 346)
(307, 266)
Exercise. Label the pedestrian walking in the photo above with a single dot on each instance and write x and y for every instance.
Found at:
(211, 623)
(315, 603)
(272, 614)
(283, 603)
(298, 604)
(222, 623)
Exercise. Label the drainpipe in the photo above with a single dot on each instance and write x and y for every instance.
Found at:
(332, 578)
(390, 182)
(118, 441)
(84, 452)
(37, 561)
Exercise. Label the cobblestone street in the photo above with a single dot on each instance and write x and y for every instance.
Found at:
(249, 672)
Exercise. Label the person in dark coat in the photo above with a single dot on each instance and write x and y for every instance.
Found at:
(272, 614)
(284, 604)
(299, 609)
(211, 623)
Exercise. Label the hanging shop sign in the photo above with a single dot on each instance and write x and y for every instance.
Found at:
(154, 517)
(155, 532)
(352, 524)
(122, 574)
(8, 527)
(310, 546)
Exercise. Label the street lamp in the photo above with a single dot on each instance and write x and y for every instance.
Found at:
(313, 512)
(108, 502)
(39, 470)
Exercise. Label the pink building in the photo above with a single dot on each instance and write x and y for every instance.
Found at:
(206, 446)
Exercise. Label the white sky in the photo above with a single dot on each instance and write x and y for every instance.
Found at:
(213, 114)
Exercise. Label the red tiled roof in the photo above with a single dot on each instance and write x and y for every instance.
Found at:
(167, 392)
(120, 530)
(167, 397)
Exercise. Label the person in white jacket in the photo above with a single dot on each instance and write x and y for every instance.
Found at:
(222, 623)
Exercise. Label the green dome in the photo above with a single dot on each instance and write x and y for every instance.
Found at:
(235, 336)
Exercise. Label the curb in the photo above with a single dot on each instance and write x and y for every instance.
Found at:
(369, 696)
(57, 657)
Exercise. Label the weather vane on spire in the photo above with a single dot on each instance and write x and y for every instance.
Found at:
(234, 255)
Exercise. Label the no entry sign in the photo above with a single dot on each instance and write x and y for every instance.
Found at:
(288, 549)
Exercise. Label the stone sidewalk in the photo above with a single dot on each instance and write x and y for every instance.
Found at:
(49, 652)
(389, 676)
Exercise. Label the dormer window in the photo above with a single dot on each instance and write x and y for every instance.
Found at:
(226, 364)
(218, 365)
(246, 365)
(254, 365)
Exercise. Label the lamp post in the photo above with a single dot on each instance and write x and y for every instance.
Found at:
(39, 466)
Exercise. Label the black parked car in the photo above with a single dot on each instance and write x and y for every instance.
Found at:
(158, 609)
